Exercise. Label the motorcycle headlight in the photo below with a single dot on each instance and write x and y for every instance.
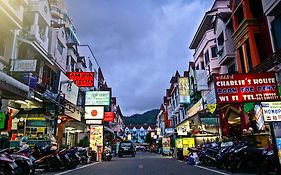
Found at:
(271, 152)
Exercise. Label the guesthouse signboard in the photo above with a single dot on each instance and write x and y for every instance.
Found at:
(240, 88)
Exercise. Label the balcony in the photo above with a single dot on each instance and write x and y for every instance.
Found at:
(56, 12)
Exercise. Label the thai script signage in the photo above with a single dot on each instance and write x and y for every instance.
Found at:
(97, 98)
(82, 79)
(184, 90)
(271, 111)
(239, 88)
(23, 65)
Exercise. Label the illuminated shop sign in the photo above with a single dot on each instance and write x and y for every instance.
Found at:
(97, 98)
(239, 88)
(94, 112)
(108, 116)
(82, 79)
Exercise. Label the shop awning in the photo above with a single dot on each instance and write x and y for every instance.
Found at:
(76, 125)
(13, 86)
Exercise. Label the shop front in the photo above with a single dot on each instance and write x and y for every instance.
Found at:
(240, 99)
(33, 123)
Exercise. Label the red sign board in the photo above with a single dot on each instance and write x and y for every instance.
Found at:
(108, 116)
(82, 79)
(239, 88)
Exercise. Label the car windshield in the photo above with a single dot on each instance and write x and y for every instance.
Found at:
(125, 144)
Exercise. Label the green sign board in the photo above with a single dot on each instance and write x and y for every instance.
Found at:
(2, 120)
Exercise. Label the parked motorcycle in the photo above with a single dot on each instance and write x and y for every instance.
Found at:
(208, 154)
(47, 159)
(107, 154)
(269, 163)
(223, 154)
(8, 165)
(245, 156)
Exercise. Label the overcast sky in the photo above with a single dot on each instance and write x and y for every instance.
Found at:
(139, 44)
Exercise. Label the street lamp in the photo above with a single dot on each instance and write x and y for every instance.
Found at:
(69, 82)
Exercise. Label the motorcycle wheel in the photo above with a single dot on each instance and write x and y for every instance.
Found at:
(219, 165)
(234, 166)
(25, 168)
(18, 171)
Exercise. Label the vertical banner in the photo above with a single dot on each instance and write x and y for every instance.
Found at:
(96, 136)
(166, 142)
(184, 90)
(202, 80)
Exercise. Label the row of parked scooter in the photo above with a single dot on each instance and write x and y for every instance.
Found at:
(234, 156)
(31, 160)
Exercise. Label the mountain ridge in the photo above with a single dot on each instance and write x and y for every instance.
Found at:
(148, 117)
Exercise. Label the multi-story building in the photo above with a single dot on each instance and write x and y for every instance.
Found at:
(12, 91)
(214, 54)
(271, 9)
(138, 133)
(251, 34)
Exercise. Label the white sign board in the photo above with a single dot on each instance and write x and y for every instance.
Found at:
(202, 79)
(271, 111)
(23, 65)
(94, 112)
(69, 90)
(97, 98)
(93, 122)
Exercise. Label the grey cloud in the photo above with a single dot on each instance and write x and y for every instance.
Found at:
(139, 44)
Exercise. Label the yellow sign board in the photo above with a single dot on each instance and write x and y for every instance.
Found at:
(179, 143)
(211, 107)
(187, 143)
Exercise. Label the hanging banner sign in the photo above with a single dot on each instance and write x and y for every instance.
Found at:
(271, 111)
(94, 112)
(240, 88)
(108, 116)
(184, 90)
(82, 79)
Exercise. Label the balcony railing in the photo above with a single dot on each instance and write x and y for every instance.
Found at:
(268, 63)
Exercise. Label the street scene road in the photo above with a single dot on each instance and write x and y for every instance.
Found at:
(144, 163)
(182, 86)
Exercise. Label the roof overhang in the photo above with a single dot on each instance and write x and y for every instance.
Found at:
(203, 27)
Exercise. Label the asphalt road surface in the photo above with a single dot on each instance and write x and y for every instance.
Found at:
(143, 164)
